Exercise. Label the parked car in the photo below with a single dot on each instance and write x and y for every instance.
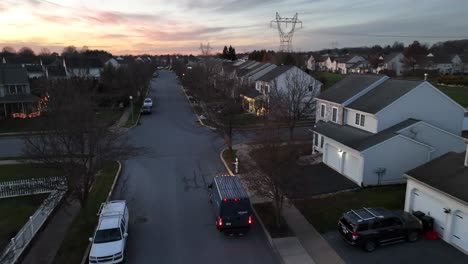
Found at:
(108, 242)
(231, 204)
(148, 102)
(145, 109)
(372, 227)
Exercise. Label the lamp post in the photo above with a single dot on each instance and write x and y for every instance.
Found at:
(131, 105)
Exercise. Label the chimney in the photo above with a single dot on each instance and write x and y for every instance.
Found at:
(425, 76)
(466, 155)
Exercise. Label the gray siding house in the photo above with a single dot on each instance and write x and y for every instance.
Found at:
(372, 129)
(16, 99)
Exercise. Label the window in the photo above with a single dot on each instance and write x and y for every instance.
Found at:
(316, 138)
(321, 142)
(334, 114)
(322, 110)
(311, 88)
(360, 119)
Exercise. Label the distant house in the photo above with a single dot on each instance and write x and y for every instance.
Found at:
(114, 62)
(84, 67)
(392, 62)
(439, 190)
(278, 78)
(340, 64)
(310, 63)
(372, 129)
(33, 65)
(16, 99)
(443, 63)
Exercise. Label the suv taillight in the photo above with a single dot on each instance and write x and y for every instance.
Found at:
(250, 220)
(355, 235)
(220, 221)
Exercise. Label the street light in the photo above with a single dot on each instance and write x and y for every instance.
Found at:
(131, 106)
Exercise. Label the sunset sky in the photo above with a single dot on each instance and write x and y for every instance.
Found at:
(179, 26)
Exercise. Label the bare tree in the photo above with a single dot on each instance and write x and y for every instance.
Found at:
(293, 99)
(73, 139)
(272, 178)
(45, 52)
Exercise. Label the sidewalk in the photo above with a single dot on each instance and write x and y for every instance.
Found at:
(123, 119)
(308, 246)
(48, 242)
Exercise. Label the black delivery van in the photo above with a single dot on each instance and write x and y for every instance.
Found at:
(231, 204)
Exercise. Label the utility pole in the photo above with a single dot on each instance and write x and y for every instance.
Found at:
(286, 36)
(205, 49)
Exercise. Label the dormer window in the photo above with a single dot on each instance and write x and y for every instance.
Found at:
(335, 114)
(360, 120)
(322, 110)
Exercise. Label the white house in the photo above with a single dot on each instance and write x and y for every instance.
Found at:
(444, 63)
(372, 129)
(114, 62)
(392, 62)
(278, 78)
(439, 189)
(83, 67)
(310, 63)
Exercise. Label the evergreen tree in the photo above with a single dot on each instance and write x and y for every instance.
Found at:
(225, 54)
(232, 54)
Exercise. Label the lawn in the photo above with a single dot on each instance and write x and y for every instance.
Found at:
(15, 213)
(329, 79)
(323, 213)
(133, 119)
(26, 171)
(266, 213)
(109, 117)
(458, 93)
(13, 125)
(76, 240)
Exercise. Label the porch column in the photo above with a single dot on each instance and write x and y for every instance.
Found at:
(313, 143)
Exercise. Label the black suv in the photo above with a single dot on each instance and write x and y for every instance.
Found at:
(372, 227)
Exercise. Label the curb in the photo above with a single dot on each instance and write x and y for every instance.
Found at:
(84, 260)
(269, 238)
(261, 127)
(139, 115)
(199, 120)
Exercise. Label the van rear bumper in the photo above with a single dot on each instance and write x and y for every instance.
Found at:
(234, 228)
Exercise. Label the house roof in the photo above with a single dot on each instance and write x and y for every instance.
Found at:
(446, 173)
(13, 74)
(36, 68)
(383, 95)
(271, 75)
(251, 93)
(356, 138)
(56, 71)
(19, 98)
(390, 56)
(349, 87)
(79, 62)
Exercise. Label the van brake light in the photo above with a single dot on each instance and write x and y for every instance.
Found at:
(250, 220)
(220, 221)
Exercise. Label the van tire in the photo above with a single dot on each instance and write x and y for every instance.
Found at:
(369, 246)
(413, 236)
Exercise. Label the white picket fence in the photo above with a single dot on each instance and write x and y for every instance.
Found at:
(31, 186)
(56, 186)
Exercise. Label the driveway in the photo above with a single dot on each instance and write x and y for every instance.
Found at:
(171, 220)
(420, 252)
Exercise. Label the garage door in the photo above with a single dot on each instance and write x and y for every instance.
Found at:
(430, 206)
(460, 230)
(351, 167)
(333, 158)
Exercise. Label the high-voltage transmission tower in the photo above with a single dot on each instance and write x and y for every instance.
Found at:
(286, 36)
(205, 49)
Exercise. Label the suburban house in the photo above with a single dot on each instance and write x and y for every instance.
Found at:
(443, 63)
(256, 101)
(84, 67)
(114, 62)
(360, 67)
(310, 63)
(340, 64)
(16, 99)
(439, 189)
(372, 129)
(392, 62)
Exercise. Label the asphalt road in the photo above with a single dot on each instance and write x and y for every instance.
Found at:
(11, 146)
(171, 220)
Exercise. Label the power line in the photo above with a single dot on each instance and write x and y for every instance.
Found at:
(389, 35)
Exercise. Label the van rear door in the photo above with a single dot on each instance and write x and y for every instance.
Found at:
(236, 212)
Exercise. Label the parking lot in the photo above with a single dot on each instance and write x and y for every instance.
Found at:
(422, 251)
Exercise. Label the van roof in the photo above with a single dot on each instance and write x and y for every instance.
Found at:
(230, 187)
(112, 208)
